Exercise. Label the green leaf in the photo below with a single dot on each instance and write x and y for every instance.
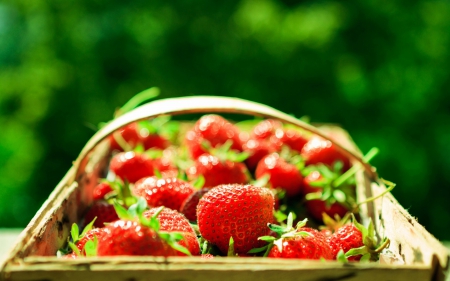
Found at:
(74, 232)
(121, 211)
(231, 248)
(257, 250)
(356, 251)
(199, 182)
(277, 228)
(267, 238)
(154, 223)
(138, 99)
(180, 248)
(74, 248)
(88, 227)
(90, 248)
(365, 257)
(340, 196)
(290, 220)
(280, 216)
(341, 256)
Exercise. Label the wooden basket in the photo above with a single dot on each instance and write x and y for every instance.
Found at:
(413, 254)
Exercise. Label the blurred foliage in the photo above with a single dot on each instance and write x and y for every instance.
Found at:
(381, 69)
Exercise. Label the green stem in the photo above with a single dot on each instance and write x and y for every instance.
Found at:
(139, 98)
(370, 199)
(355, 168)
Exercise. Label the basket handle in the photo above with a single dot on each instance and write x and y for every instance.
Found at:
(208, 104)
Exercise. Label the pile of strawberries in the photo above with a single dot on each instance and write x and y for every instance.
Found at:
(217, 188)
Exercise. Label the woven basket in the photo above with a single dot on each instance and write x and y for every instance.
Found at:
(413, 253)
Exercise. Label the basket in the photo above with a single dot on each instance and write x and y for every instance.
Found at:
(413, 253)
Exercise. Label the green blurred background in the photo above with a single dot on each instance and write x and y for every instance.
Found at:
(381, 69)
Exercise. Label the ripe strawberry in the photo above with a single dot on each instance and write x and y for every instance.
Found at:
(257, 149)
(357, 242)
(290, 137)
(103, 211)
(129, 134)
(137, 133)
(214, 130)
(319, 150)
(171, 220)
(282, 174)
(323, 196)
(266, 129)
(346, 238)
(132, 166)
(101, 190)
(127, 237)
(168, 192)
(134, 234)
(189, 206)
(306, 243)
(238, 211)
(300, 242)
(216, 171)
(89, 236)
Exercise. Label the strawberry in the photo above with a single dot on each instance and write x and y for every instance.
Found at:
(168, 192)
(257, 149)
(171, 220)
(300, 242)
(346, 238)
(101, 190)
(189, 206)
(277, 135)
(308, 244)
(132, 166)
(214, 130)
(323, 196)
(357, 242)
(216, 171)
(319, 150)
(282, 174)
(89, 236)
(146, 133)
(238, 211)
(266, 129)
(103, 211)
(133, 234)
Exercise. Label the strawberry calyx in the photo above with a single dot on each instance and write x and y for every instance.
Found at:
(281, 232)
(136, 213)
(121, 193)
(333, 185)
(372, 247)
(225, 153)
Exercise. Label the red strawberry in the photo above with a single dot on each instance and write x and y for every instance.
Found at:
(215, 130)
(266, 129)
(357, 242)
(290, 137)
(126, 237)
(101, 190)
(238, 211)
(171, 220)
(216, 171)
(132, 166)
(346, 238)
(129, 134)
(134, 134)
(134, 234)
(282, 174)
(104, 212)
(308, 244)
(89, 236)
(189, 206)
(300, 242)
(257, 149)
(324, 197)
(319, 150)
(168, 192)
